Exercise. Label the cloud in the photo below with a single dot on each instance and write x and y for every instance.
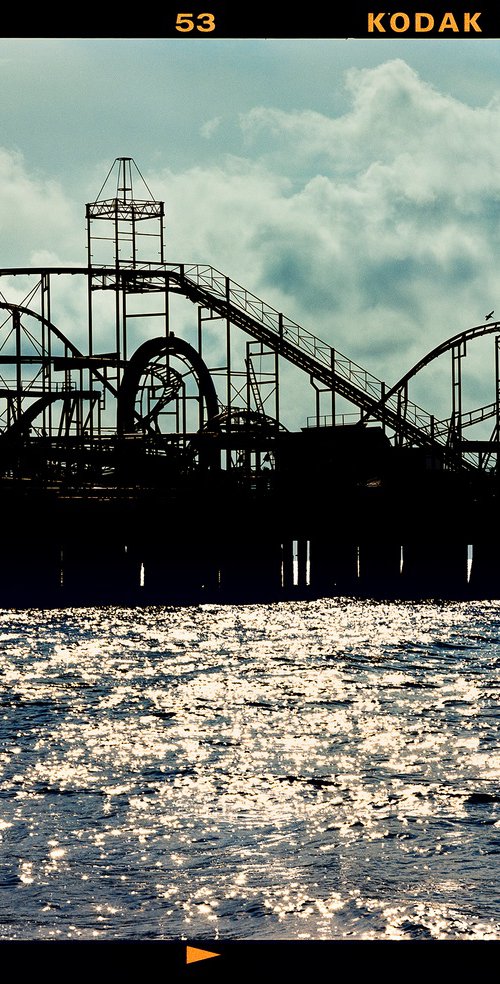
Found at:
(209, 128)
(385, 238)
(35, 214)
(378, 228)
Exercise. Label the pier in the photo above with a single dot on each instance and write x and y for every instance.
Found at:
(146, 462)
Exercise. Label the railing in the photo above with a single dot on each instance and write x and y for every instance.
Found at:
(327, 420)
(217, 292)
(215, 289)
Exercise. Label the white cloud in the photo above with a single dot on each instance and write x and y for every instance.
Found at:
(35, 214)
(377, 229)
(210, 127)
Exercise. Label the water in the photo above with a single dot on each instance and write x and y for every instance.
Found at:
(301, 771)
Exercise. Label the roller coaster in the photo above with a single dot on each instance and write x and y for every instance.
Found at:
(140, 465)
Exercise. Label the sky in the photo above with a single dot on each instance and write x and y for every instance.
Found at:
(352, 184)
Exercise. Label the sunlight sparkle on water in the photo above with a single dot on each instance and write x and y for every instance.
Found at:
(302, 770)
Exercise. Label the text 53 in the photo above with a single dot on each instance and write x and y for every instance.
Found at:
(195, 22)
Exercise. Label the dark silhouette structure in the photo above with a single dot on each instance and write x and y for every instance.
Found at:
(141, 464)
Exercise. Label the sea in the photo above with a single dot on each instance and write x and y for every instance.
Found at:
(302, 770)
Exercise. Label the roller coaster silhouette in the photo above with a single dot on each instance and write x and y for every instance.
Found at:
(166, 476)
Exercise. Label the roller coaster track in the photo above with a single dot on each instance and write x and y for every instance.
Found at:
(19, 309)
(454, 342)
(210, 288)
(224, 298)
(467, 419)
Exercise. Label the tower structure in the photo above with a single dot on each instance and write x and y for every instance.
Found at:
(125, 245)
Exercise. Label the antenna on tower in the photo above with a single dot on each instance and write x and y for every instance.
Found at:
(124, 168)
(123, 210)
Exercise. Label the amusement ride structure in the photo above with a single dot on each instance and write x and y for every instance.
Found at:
(133, 471)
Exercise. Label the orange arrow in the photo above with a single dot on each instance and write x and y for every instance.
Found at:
(193, 953)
